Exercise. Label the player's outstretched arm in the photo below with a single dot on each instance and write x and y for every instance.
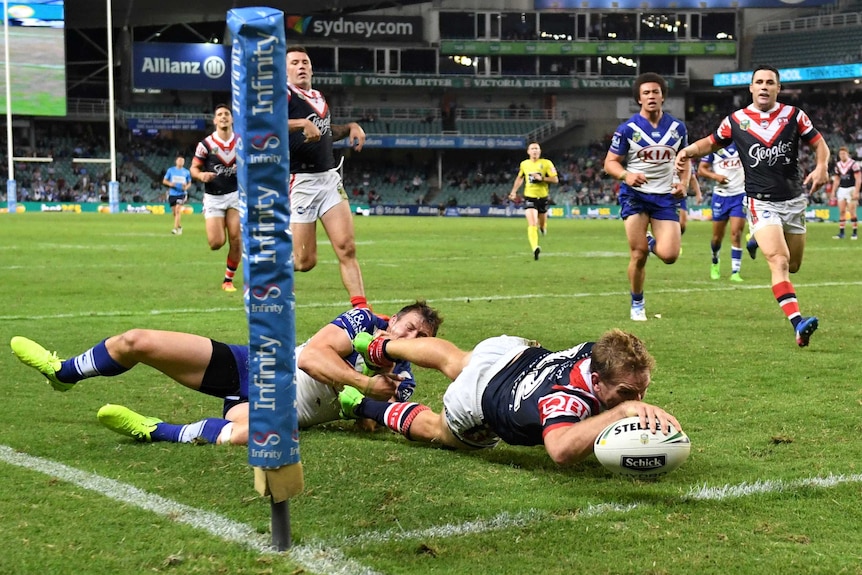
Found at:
(323, 359)
(574, 443)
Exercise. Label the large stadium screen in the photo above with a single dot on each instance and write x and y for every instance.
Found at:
(37, 58)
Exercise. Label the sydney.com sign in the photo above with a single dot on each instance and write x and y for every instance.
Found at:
(374, 28)
(169, 66)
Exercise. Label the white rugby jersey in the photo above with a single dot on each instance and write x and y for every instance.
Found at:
(650, 150)
(726, 162)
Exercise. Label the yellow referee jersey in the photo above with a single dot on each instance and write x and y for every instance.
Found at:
(541, 166)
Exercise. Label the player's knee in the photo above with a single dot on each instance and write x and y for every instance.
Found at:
(304, 263)
(345, 251)
(215, 244)
(137, 342)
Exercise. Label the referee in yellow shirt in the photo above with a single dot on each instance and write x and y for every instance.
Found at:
(538, 172)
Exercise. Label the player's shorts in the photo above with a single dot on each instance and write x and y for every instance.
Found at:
(462, 402)
(226, 375)
(177, 200)
(789, 214)
(845, 194)
(656, 206)
(312, 195)
(538, 204)
(316, 402)
(726, 207)
(217, 206)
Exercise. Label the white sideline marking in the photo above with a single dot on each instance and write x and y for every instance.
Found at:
(340, 305)
(326, 558)
(767, 486)
(316, 559)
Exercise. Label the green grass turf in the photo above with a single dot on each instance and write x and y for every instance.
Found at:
(759, 410)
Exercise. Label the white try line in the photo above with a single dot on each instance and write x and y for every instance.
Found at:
(431, 301)
(326, 558)
(317, 559)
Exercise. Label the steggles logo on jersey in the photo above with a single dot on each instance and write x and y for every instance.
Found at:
(770, 156)
(321, 123)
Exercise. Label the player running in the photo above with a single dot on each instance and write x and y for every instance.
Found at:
(767, 133)
(214, 164)
(725, 167)
(845, 185)
(652, 187)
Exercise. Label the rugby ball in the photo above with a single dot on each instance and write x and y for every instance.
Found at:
(626, 448)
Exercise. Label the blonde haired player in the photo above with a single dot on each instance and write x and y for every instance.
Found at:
(539, 173)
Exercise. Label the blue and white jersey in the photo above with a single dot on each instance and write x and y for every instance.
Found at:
(316, 401)
(650, 150)
(359, 320)
(178, 177)
(726, 162)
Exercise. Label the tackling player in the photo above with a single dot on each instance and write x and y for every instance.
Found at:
(767, 133)
(511, 389)
(325, 364)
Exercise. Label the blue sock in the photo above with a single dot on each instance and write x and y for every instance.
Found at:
(637, 299)
(93, 362)
(372, 409)
(716, 248)
(651, 244)
(206, 429)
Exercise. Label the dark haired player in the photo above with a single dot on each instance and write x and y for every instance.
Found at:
(214, 164)
(651, 188)
(316, 189)
(767, 134)
(845, 187)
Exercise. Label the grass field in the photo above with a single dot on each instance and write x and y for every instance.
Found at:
(773, 484)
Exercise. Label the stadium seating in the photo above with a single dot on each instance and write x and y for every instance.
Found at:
(808, 48)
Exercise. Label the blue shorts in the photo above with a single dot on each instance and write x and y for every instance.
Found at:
(656, 206)
(726, 207)
(226, 376)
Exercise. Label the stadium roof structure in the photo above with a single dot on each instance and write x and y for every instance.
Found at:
(82, 14)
